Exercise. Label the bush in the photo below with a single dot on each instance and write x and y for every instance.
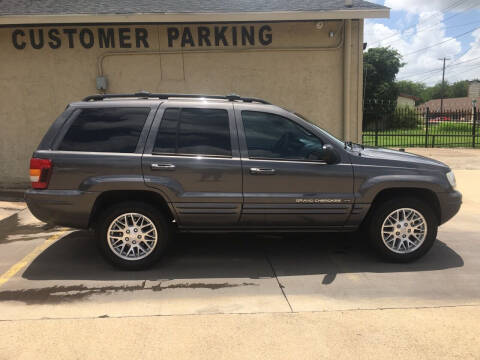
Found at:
(404, 117)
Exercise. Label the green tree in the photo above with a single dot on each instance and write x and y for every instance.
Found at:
(459, 89)
(381, 65)
(417, 89)
(435, 91)
(425, 93)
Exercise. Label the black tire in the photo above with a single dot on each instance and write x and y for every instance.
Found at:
(380, 213)
(163, 230)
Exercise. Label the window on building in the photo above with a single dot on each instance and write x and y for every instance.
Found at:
(271, 136)
(106, 130)
(192, 131)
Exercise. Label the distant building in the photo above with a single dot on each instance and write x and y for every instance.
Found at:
(474, 89)
(450, 105)
(406, 100)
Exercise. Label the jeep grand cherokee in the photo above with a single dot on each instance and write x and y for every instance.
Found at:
(138, 168)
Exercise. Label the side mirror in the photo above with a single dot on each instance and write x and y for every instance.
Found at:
(329, 154)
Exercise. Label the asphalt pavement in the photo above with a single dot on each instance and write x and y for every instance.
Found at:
(298, 284)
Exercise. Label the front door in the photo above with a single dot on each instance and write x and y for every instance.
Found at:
(192, 157)
(284, 183)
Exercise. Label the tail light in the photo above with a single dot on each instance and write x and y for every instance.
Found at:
(40, 171)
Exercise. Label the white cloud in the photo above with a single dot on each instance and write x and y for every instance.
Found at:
(411, 44)
(469, 63)
(421, 6)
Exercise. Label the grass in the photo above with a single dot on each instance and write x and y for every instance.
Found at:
(447, 134)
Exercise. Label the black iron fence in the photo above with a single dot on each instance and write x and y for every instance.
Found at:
(385, 124)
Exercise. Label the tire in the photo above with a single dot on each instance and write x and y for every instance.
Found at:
(401, 245)
(141, 249)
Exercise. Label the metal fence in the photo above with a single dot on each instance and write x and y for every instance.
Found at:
(386, 125)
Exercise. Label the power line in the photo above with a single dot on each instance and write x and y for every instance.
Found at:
(437, 70)
(462, 25)
(419, 73)
(443, 42)
(454, 73)
(426, 78)
(463, 62)
(465, 71)
(468, 67)
(459, 56)
(445, 20)
(440, 23)
(426, 20)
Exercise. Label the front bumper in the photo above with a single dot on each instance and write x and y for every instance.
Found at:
(69, 208)
(449, 205)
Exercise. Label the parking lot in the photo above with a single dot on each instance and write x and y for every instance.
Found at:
(312, 288)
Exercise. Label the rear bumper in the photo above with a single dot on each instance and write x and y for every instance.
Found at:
(69, 208)
(449, 204)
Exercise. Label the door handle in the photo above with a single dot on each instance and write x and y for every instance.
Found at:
(262, 171)
(162, 167)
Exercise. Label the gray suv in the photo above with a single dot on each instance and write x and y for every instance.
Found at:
(138, 168)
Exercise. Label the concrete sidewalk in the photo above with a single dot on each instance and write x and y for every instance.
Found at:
(433, 333)
(456, 158)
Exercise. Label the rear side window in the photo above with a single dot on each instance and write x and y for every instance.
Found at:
(191, 131)
(106, 130)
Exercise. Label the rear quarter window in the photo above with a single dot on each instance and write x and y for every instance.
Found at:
(105, 130)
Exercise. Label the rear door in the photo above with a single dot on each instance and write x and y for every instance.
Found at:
(284, 183)
(192, 157)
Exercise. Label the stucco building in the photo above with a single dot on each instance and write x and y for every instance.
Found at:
(406, 100)
(303, 55)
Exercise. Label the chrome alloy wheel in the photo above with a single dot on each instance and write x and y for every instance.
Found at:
(132, 236)
(404, 230)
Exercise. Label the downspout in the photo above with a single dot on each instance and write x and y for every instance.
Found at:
(347, 62)
(361, 86)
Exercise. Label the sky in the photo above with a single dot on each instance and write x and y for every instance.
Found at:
(423, 31)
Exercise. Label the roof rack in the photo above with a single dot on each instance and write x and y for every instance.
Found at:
(147, 95)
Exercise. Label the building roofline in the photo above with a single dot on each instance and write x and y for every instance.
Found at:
(407, 96)
(194, 17)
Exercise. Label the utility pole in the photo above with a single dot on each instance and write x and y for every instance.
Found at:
(443, 85)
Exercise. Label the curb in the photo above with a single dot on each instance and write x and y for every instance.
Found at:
(12, 195)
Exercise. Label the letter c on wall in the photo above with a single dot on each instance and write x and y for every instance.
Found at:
(15, 34)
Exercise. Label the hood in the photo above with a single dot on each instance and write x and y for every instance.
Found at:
(394, 155)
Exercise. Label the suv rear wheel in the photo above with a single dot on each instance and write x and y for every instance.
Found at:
(132, 235)
(402, 230)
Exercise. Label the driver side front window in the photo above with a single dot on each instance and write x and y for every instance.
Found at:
(271, 136)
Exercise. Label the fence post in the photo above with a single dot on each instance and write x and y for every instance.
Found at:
(376, 129)
(474, 130)
(427, 116)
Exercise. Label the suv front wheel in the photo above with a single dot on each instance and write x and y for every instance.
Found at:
(402, 230)
(132, 235)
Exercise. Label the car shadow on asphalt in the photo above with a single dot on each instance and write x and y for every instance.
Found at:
(75, 257)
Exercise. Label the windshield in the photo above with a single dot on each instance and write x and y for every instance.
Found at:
(332, 138)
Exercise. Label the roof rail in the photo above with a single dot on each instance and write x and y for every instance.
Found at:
(146, 95)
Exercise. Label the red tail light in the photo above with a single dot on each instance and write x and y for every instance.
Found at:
(40, 171)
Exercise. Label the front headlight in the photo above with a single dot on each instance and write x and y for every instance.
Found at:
(451, 179)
